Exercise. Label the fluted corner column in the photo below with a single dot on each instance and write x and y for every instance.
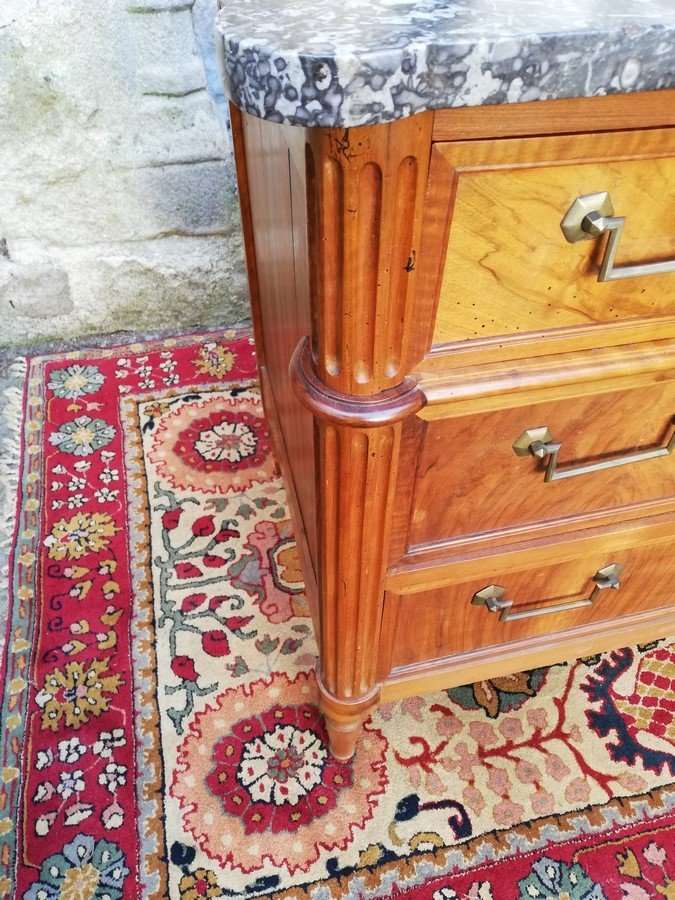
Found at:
(365, 191)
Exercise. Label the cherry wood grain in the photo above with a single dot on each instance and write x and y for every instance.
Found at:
(460, 484)
(442, 361)
(616, 112)
(333, 221)
(281, 455)
(366, 197)
(484, 487)
(508, 267)
(520, 656)
(442, 622)
(277, 250)
(452, 391)
(438, 566)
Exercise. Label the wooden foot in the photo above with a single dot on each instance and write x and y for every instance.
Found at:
(343, 738)
(344, 718)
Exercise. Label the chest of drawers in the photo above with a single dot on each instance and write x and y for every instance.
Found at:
(472, 404)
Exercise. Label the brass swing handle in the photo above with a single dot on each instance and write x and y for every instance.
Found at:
(493, 597)
(540, 443)
(593, 215)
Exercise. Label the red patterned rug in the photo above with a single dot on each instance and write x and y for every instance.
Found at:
(159, 733)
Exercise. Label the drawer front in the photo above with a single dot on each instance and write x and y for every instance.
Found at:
(599, 587)
(613, 457)
(508, 268)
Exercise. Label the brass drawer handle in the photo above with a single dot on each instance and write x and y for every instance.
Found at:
(493, 597)
(540, 443)
(592, 215)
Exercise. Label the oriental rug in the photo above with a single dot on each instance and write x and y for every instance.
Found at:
(159, 731)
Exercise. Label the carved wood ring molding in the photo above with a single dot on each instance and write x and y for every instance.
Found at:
(346, 708)
(384, 408)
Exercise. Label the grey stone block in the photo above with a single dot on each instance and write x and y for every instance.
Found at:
(151, 6)
(37, 291)
(177, 282)
(168, 63)
(112, 205)
(115, 173)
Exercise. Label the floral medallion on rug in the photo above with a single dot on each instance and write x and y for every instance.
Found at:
(160, 736)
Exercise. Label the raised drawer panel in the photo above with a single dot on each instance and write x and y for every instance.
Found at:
(508, 268)
(469, 480)
(437, 623)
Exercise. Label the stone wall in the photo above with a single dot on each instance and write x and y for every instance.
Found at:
(118, 206)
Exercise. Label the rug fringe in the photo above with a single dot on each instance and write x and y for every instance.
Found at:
(11, 417)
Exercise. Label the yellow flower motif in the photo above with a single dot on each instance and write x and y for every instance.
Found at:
(155, 409)
(9, 773)
(84, 533)
(200, 883)
(214, 359)
(76, 693)
(5, 826)
(80, 883)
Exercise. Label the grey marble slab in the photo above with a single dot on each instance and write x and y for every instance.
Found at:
(357, 62)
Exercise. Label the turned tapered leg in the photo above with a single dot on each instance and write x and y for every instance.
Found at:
(365, 196)
(344, 718)
(355, 485)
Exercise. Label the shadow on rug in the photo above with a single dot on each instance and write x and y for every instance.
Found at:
(159, 734)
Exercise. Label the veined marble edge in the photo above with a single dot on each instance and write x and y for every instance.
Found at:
(346, 87)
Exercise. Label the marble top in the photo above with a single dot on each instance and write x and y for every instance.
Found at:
(358, 62)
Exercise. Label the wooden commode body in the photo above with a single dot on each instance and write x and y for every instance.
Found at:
(475, 429)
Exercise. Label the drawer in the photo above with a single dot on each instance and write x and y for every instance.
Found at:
(497, 608)
(507, 267)
(614, 462)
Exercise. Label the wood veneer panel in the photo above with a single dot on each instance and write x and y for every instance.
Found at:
(442, 622)
(616, 112)
(461, 488)
(276, 198)
(520, 656)
(457, 391)
(508, 267)
(440, 361)
(300, 534)
(441, 566)
(470, 481)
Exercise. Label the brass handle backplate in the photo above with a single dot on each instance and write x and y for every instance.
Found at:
(493, 597)
(540, 443)
(593, 215)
